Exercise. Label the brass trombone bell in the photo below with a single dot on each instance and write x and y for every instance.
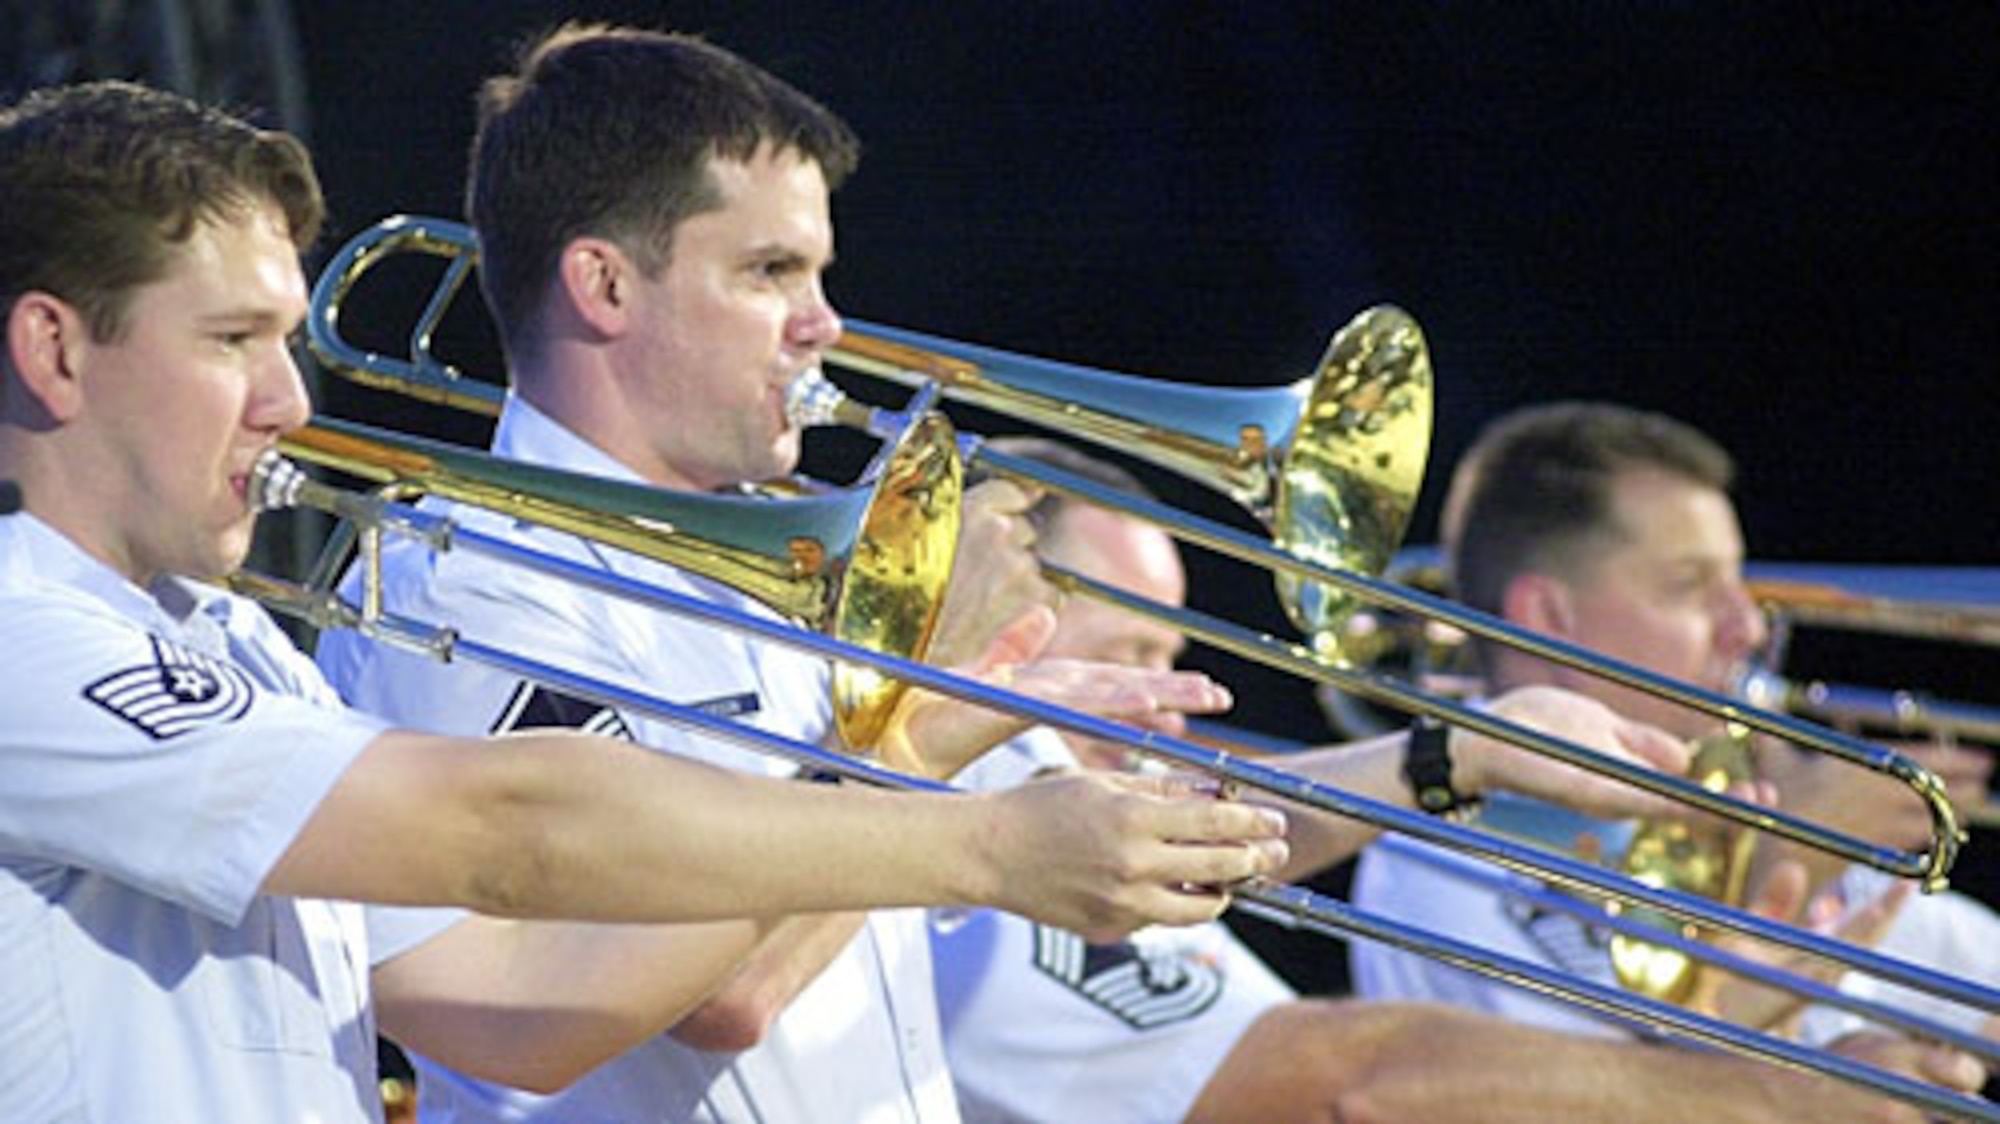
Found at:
(866, 564)
(876, 580)
(1330, 464)
(1295, 905)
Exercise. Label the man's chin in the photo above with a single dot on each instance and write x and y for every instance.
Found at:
(230, 550)
(785, 454)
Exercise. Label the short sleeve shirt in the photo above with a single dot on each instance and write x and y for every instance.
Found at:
(160, 750)
(1447, 892)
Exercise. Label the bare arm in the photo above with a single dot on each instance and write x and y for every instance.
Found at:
(558, 825)
(1355, 1062)
(942, 735)
(538, 1004)
(737, 1016)
(947, 735)
(1374, 769)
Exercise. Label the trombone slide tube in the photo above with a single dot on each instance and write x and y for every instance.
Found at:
(1291, 906)
(1931, 867)
(1298, 908)
(1907, 712)
(1593, 914)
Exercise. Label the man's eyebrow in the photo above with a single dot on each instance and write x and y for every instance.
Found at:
(784, 252)
(257, 317)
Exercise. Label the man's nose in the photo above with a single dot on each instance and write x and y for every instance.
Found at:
(1744, 628)
(816, 324)
(279, 401)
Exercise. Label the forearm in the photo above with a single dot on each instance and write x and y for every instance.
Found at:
(1370, 769)
(740, 1012)
(1478, 763)
(1358, 1062)
(1446, 1068)
(563, 825)
(538, 1004)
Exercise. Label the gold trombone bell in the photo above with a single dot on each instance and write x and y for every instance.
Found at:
(1330, 464)
(866, 564)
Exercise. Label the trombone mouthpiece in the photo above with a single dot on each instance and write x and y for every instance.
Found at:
(812, 399)
(275, 482)
(10, 497)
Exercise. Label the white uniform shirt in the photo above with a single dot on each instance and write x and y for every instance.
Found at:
(1956, 934)
(1420, 884)
(862, 1042)
(1424, 885)
(159, 752)
(1040, 1026)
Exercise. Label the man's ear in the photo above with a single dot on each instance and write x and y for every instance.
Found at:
(1540, 603)
(47, 340)
(596, 280)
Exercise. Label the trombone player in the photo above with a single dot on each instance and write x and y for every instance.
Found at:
(1613, 528)
(654, 223)
(653, 213)
(1187, 1023)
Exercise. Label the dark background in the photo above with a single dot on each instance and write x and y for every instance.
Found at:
(1775, 221)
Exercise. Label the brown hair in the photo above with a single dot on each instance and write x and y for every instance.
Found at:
(1535, 488)
(608, 131)
(101, 183)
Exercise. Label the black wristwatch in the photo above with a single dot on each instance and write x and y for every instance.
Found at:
(1427, 768)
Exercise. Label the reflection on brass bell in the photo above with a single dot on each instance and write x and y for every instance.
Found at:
(1709, 859)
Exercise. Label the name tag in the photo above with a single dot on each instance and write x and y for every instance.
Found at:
(729, 706)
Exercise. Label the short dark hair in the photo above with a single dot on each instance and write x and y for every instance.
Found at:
(609, 131)
(1534, 490)
(101, 183)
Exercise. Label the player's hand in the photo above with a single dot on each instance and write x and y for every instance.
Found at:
(1924, 1061)
(995, 576)
(947, 734)
(1102, 854)
(1781, 895)
(1480, 763)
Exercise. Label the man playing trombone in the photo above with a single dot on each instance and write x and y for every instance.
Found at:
(653, 221)
(653, 213)
(1187, 1023)
(1613, 529)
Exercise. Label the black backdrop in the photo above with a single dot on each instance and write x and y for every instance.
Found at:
(1774, 221)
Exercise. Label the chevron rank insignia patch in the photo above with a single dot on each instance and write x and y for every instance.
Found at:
(1577, 948)
(1140, 990)
(536, 707)
(179, 691)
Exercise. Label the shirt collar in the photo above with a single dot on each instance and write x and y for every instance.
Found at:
(34, 553)
(526, 433)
